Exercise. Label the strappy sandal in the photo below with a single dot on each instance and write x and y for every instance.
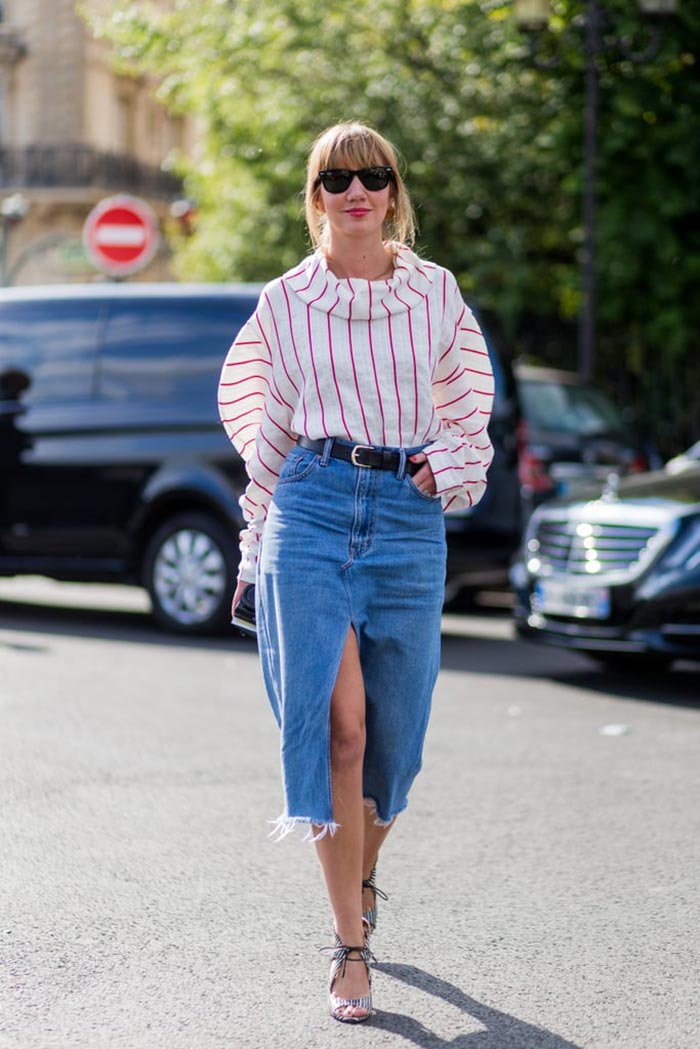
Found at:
(369, 917)
(341, 957)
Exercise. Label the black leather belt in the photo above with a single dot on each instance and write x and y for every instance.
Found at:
(363, 455)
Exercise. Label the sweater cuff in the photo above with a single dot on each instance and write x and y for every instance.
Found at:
(247, 568)
(246, 574)
(447, 469)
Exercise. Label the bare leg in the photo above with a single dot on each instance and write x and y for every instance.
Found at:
(341, 855)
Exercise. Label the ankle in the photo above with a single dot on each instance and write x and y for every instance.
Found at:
(368, 869)
(351, 934)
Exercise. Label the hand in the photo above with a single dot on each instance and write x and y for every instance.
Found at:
(423, 479)
(238, 594)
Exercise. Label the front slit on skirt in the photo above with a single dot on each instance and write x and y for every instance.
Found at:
(346, 547)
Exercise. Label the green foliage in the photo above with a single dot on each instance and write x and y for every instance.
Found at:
(492, 147)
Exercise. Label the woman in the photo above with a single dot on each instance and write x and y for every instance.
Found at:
(358, 395)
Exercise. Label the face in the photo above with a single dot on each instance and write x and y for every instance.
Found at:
(356, 211)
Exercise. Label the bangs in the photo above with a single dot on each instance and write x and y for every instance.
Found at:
(350, 149)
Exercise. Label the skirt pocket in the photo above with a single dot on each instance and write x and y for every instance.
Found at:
(299, 464)
(423, 495)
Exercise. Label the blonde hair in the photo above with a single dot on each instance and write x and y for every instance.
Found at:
(354, 145)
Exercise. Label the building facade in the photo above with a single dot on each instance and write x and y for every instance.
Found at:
(72, 131)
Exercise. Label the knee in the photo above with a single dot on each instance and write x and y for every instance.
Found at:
(347, 745)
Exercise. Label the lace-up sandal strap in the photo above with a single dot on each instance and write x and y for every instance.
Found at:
(369, 884)
(341, 954)
(369, 917)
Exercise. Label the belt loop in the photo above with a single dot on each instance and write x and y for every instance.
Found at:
(401, 473)
(327, 449)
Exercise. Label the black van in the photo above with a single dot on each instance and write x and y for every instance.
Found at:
(113, 463)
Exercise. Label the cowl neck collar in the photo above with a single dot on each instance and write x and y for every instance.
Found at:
(317, 286)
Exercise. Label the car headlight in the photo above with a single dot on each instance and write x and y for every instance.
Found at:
(530, 547)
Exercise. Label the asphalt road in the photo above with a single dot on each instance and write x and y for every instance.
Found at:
(543, 882)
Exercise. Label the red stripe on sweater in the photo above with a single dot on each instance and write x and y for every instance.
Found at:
(313, 364)
(294, 347)
(281, 352)
(374, 369)
(248, 360)
(396, 371)
(331, 355)
(455, 400)
(352, 362)
(274, 447)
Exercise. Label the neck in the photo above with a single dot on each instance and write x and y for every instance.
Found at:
(370, 260)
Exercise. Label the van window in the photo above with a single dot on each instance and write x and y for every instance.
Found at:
(168, 349)
(54, 343)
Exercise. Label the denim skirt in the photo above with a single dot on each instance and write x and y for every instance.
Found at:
(349, 547)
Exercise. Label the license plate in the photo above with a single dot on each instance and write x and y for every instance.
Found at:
(557, 597)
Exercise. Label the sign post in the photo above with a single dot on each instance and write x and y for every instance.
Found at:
(120, 235)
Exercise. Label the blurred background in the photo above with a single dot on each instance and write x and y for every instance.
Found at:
(72, 130)
(205, 109)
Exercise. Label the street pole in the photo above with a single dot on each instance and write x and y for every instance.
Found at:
(587, 313)
(533, 17)
(12, 210)
(4, 237)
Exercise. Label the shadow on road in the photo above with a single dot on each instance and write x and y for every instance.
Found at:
(501, 1030)
(514, 658)
(104, 624)
(470, 653)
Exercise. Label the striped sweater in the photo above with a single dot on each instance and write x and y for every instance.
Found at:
(396, 363)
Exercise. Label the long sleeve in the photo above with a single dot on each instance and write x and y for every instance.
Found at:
(258, 422)
(462, 390)
(396, 363)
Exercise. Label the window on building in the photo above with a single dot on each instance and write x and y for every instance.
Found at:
(126, 124)
(173, 133)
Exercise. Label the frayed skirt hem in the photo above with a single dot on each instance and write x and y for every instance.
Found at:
(285, 825)
(371, 804)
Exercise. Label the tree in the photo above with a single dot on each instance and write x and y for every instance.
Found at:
(441, 79)
(493, 147)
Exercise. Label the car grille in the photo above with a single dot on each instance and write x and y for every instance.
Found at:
(592, 548)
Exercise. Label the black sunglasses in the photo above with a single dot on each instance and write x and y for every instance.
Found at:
(337, 180)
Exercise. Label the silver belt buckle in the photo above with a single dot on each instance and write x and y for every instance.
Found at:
(360, 448)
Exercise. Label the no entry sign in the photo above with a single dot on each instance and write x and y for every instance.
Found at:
(121, 235)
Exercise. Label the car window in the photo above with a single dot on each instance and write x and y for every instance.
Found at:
(167, 349)
(500, 390)
(54, 343)
(504, 395)
(571, 409)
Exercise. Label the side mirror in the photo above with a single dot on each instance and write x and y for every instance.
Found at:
(13, 383)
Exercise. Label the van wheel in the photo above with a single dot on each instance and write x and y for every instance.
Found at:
(190, 572)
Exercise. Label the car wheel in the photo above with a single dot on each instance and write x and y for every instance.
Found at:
(632, 662)
(190, 572)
